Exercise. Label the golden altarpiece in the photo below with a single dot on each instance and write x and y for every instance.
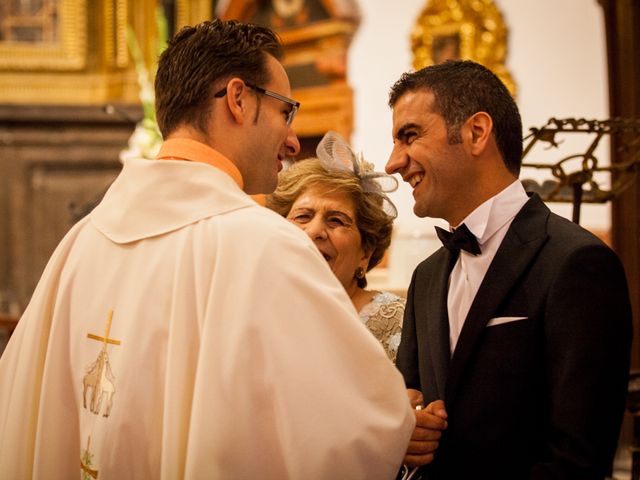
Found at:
(462, 29)
(69, 101)
(316, 35)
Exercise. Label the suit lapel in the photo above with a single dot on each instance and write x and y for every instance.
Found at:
(437, 325)
(525, 237)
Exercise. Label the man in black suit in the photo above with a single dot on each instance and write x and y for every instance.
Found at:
(518, 333)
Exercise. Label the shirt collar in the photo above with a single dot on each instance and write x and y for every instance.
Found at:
(194, 151)
(487, 219)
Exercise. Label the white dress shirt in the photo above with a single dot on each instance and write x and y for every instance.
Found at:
(489, 224)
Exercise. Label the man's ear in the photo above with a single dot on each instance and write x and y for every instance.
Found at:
(479, 128)
(237, 99)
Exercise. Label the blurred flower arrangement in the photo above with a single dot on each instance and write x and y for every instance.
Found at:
(146, 138)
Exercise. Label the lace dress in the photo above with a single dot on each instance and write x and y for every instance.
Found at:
(383, 317)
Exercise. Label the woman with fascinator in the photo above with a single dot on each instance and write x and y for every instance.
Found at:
(341, 203)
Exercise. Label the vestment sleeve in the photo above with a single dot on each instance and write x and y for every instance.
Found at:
(21, 372)
(326, 400)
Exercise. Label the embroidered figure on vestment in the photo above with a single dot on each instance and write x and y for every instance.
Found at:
(99, 379)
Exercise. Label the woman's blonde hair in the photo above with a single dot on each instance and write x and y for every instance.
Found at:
(374, 223)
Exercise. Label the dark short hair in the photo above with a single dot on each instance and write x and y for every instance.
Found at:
(200, 59)
(374, 223)
(462, 88)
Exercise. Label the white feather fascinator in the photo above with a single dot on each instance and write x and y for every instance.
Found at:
(335, 153)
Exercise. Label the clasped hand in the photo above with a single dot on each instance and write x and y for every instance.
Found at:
(430, 422)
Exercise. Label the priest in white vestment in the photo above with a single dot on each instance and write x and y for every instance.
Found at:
(183, 331)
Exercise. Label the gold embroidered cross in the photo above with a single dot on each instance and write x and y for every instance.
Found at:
(85, 462)
(106, 338)
(99, 380)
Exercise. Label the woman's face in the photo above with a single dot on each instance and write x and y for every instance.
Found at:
(329, 218)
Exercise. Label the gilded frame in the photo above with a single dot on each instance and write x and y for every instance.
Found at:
(116, 20)
(474, 28)
(191, 12)
(67, 54)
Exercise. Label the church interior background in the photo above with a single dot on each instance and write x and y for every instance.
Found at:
(71, 90)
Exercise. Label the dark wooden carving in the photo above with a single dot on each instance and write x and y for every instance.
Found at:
(54, 163)
(622, 20)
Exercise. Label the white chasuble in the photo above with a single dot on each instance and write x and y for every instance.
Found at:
(183, 331)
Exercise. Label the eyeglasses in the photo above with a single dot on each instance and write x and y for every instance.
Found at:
(294, 105)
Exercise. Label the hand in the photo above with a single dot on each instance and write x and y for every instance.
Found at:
(415, 397)
(430, 422)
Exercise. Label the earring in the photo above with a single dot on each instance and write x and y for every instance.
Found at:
(359, 272)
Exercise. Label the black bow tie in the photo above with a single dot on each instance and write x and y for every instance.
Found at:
(460, 239)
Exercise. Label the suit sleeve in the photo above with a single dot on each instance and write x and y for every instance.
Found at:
(407, 360)
(588, 338)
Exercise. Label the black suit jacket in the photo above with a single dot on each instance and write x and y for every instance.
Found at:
(537, 398)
